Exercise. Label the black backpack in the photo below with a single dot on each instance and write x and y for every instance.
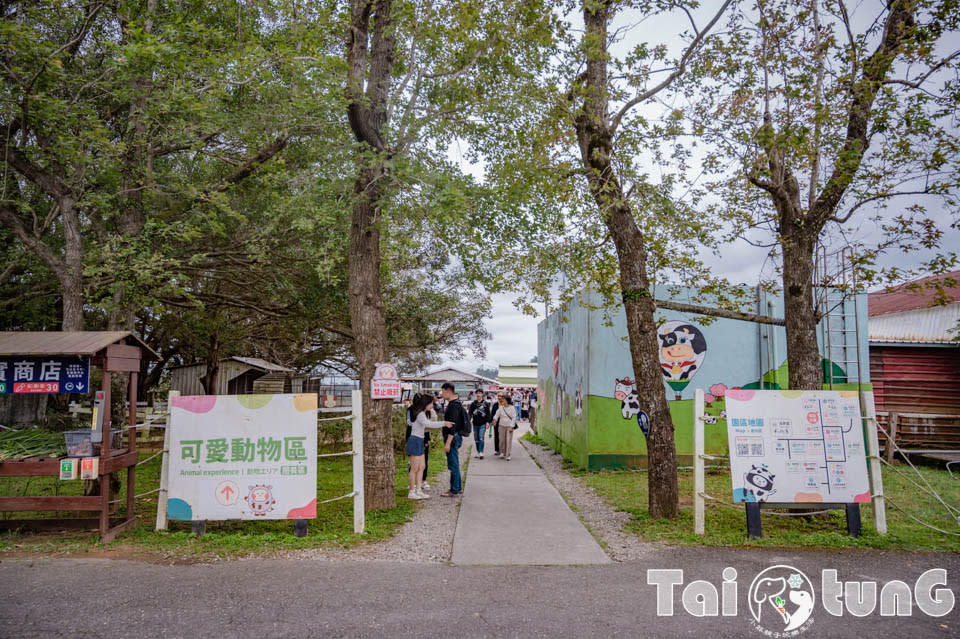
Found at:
(461, 425)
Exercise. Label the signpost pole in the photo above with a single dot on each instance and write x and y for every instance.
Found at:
(359, 514)
(873, 462)
(165, 466)
(698, 462)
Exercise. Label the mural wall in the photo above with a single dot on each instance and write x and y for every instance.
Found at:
(590, 411)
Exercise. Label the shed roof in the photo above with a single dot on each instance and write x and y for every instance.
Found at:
(40, 343)
(261, 363)
(449, 374)
(931, 325)
(913, 295)
(253, 362)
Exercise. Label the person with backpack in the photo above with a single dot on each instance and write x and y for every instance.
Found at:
(478, 417)
(458, 427)
(506, 420)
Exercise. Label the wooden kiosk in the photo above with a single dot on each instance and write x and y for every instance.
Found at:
(113, 352)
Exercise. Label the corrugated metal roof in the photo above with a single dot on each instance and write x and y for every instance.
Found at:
(260, 363)
(518, 371)
(919, 326)
(913, 295)
(65, 342)
(449, 375)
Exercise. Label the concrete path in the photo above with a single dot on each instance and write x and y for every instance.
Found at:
(512, 515)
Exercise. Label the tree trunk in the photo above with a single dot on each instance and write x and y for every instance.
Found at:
(663, 490)
(800, 316)
(595, 137)
(370, 337)
(70, 275)
(209, 378)
(370, 64)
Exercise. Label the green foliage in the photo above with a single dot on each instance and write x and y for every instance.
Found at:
(773, 106)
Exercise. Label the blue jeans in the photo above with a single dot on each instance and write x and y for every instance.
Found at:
(453, 464)
(478, 433)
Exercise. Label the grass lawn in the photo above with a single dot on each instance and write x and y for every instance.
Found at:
(726, 523)
(332, 528)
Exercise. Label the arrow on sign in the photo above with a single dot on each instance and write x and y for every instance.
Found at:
(226, 492)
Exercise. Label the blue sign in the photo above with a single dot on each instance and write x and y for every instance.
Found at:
(644, 423)
(44, 375)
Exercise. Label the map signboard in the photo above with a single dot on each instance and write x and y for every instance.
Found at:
(796, 447)
(44, 374)
(243, 457)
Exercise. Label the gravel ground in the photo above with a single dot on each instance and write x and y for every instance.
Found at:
(605, 522)
(427, 538)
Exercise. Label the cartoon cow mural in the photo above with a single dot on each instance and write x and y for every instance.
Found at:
(626, 391)
(682, 351)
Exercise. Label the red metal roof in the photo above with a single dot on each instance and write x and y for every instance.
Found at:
(67, 342)
(913, 295)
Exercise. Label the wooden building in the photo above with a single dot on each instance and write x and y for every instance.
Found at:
(915, 363)
(237, 376)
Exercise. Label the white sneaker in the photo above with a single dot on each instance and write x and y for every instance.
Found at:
(481, 455)
(422, 495)
(425, 486)
(508, 457)
(413, 495)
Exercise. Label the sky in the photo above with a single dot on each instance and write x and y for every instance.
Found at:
(514, 335)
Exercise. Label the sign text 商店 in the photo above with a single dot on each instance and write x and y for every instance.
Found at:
(44, 374)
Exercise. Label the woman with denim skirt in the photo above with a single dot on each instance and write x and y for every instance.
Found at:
(419, 423)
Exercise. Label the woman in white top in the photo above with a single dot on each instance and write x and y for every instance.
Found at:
(506, 420)
(415, 447)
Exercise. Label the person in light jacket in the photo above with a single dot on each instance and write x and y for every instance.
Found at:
(415, 443)
(506, 422)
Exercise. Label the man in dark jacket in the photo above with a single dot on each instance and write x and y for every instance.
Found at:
(456, 414)
(491, 413)
(478, 418)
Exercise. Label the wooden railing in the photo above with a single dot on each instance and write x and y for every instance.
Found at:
(919, 432)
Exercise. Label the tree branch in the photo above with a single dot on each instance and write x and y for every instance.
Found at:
(681, 67)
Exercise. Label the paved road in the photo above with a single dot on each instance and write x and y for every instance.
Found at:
(512, 515)
(263, 599)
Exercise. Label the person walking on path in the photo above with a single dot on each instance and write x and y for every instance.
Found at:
(506, 420)
(494, 407)
(456, 417)
(415, 444)
(478, 417)
(533, 410)
(517, 401)
(525, 406)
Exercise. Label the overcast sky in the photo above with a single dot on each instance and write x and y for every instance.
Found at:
(515, 334)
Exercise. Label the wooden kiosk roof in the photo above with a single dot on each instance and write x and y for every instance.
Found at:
(41, 343)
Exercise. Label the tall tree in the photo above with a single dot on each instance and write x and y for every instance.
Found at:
(417, 73)
(824, 112)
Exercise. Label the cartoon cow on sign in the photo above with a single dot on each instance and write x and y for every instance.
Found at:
(759, 482)
(260, 500)
(626, 391)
